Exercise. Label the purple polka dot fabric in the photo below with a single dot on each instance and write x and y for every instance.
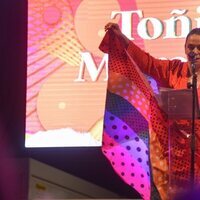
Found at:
(130, 157)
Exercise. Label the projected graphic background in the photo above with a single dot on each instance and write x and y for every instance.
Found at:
(67, 73)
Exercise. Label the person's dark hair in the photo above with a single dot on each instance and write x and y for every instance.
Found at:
(195, 31)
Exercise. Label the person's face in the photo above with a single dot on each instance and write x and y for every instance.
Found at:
(193, 45)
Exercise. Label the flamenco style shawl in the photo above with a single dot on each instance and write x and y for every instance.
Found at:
(135, 136)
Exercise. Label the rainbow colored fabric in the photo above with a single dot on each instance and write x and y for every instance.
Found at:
(130, 110)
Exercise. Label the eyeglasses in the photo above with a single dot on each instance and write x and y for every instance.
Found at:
(191, 47)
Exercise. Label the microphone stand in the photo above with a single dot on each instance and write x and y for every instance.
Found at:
(194, 102)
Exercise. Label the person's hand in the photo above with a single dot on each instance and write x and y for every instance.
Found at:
(115, 28)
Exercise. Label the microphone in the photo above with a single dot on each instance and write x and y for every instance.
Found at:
(192, 56)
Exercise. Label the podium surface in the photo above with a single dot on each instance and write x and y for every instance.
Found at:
(177, 104)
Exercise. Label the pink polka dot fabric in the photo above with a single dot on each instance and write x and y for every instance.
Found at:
(127, 153)
(131, 114)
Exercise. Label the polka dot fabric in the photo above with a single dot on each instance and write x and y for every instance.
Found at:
(128, 92)
(180, 135)
(133, 118)
(124, 87)
(130, 101)
(127, 153)
(120, 132)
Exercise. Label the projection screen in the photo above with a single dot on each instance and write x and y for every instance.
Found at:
(67, 73)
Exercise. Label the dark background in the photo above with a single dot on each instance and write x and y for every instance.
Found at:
(86, 163)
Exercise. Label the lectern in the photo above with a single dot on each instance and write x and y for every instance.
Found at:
(178, 105)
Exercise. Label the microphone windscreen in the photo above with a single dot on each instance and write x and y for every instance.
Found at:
(191, 56)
